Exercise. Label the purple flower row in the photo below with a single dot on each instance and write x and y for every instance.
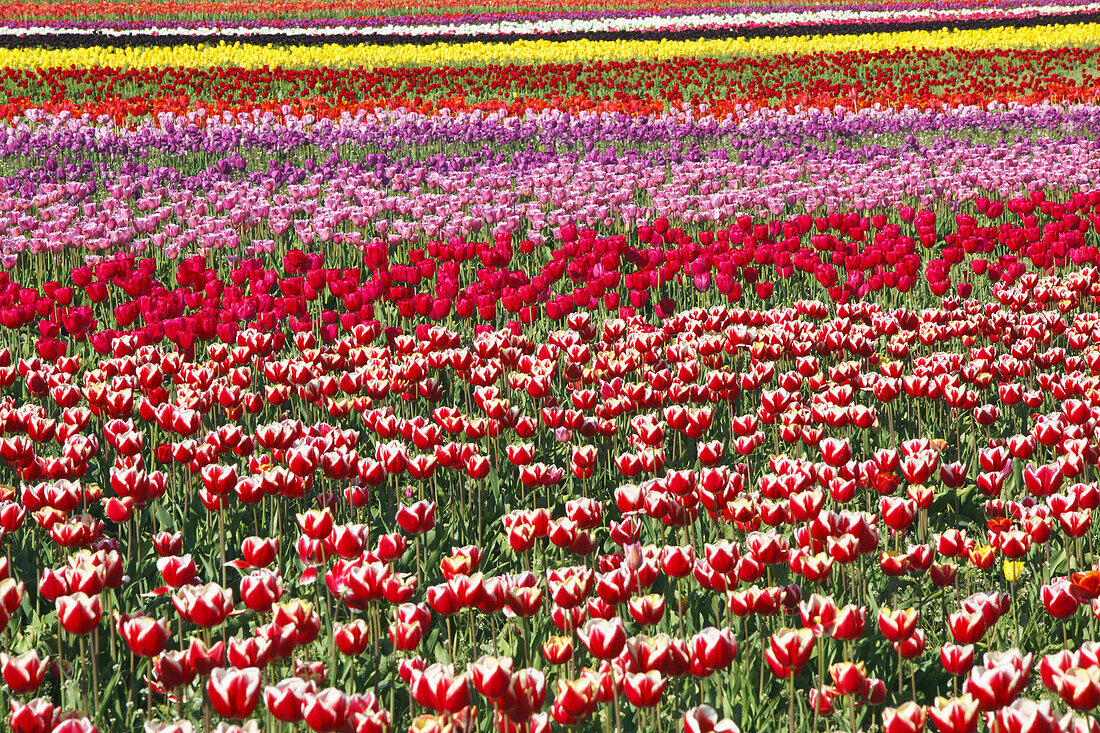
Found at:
(356, 180)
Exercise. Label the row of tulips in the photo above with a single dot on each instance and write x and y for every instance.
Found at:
(732, 507)
(295, 9)
(924, 79)
(1058, 32)
(761, 20)
(672, 15)
(346, 235)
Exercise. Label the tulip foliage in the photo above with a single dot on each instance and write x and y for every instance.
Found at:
(741, 393)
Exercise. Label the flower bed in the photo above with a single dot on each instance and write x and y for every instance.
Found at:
(538, 383)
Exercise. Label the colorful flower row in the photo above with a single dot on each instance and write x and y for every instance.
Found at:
(345, 8)
(540, 52)
(665, 13)
(855, 80)
(806, 17)
(765, 194)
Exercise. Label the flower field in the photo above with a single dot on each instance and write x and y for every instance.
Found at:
(719, 366)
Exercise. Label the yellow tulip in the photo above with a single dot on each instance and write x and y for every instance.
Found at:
(541, 52)
(1013, 569)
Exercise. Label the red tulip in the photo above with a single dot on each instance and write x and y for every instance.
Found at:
(957, 659)
(405, 637)
(79, 613)
(438, 688)
(167, 544)
(37, 716)
(644, 689)
(1079, 688)
(788, 651)
(285, 700)
(259, 552)
(1025, 716)
(848, 677)
(351, 638)
(714, 648)
(604, 639)
(897, 625)
(1000, 680)
(261, 589)
(205, 606)
(491, 675)
(25, 672)
(704, 719)
(326, 710)
(647, 610)
(955, 715)
(966, 628)
(835, 451)
(574, 702)
(907, 718)
(145, 636)
(557, 650)
(177, 570)
(233, 692)
(418, 518)
(76, 724)
(1058, 598)
(203, 659)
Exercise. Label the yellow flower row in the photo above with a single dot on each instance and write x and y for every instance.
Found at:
(536, 52)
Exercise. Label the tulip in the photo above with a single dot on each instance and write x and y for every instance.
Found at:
(848, 677)
(233, 692)
(351, 638)
(966, 628)
(491, 675)
(955, 715)
(714, 648)
(849, 623)
(788, 651)
(259, 552)
(261, 589)
(205, 606)
(326, 710)
(644, 689)
(76, 724)
(835, 451)
(704, 719)
(956, 659)
(908, 718)
(25, 672)
(405, 637)
(203, 659)
(647, 610)
(285, 700)
(145, 636)
(178, 571)
(1079, 688)
(78, 613)
(36, 716)
(1058, 599)
(574, 702)
(995, 686)
(438, 688)
(897, 625)
(1025, 716)
(417, 518)
(604, 639)
(250, 652)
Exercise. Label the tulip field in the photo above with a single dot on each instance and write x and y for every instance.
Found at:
(524, 367)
